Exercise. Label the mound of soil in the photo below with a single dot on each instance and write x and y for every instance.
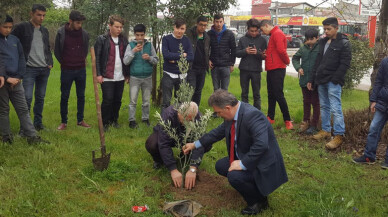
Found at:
(212, 192)
(357, 123)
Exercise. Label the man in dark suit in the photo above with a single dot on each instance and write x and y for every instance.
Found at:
(255, 166)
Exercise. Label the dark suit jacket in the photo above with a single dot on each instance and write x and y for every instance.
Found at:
(257, 147)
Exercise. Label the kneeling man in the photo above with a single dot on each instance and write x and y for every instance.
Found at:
(255, 166)
(159, 144)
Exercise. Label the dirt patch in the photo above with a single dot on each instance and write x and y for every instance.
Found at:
(212, 192)
(357, 125)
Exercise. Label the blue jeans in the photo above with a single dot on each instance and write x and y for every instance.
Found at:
(376, 127)
(221, 77)
(330, 101)
(39, 78)
(67, 78)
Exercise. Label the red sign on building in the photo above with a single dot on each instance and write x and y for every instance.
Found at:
(259, 2)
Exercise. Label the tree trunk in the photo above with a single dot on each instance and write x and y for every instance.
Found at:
(381, 46)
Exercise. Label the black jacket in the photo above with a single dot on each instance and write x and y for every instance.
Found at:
(251, 62)
(101, 49)
(332, 66)
(257, 147)
(2, 68)
(380, 88)
(166, 143)
(222, 53)
(60, 41)
(192, 35)
(25, 32)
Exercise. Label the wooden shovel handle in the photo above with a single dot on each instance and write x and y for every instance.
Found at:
(98, 105)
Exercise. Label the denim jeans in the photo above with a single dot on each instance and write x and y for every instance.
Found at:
(220, 77)
(196, 78)
(255, 78)
(39, 78)
(112, 92)
(67, 78)
(17, 97)
(376, 127)
(330, 101)
(168, 84)
(145, 85)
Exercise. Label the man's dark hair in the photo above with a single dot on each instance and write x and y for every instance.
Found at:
(76, 16)
(332, 21)
(36, 7)
(222, 98)
(253, 23)
(266, 22)
(311, 33)
(5, 19)
(202, 19)
(218, 16)
(179, 22)
(139, 28)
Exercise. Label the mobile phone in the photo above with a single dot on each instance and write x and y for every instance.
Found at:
(140, 42)
(251, 45)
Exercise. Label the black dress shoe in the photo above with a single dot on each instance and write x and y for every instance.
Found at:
(255, 208)
(157, 165)
(39, 127)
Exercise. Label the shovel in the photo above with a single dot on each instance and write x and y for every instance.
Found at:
(101, 163)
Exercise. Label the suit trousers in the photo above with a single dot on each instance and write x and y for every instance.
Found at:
(241, 180)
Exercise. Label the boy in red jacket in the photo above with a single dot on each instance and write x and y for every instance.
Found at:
(275, 64)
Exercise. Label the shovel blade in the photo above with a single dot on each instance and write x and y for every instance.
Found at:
(101, 163)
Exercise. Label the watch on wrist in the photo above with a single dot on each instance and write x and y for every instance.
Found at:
(193, 170)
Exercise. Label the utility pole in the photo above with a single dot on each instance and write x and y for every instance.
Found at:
(276, 12)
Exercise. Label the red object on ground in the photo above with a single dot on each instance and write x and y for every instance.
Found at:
(140, 208)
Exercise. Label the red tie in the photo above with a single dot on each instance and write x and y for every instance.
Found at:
(232, 135)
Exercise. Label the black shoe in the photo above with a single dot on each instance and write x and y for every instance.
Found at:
(311, 131)
(39, 127)
(385, 165)
(36, 139)
(364, 160)
(106, 127)
(147, 122)
(7, 139)
(255, 208)
(116, 125)
(132, 124)
(157, 165)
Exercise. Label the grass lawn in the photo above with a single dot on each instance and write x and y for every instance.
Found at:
(59, 179)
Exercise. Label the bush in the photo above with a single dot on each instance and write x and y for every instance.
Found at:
(362, 61)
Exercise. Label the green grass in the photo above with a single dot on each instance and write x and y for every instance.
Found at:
(59, 179)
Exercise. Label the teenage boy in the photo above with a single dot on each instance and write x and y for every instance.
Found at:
(71, 50)
(276, 61)
(36, 46)
(141, 56)
(378, 106)
(308, 54)
(201, 45)
(222, 53)
(111, 71)
(12, 56)
(329, 76)
(250, 50)
(171, 75)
